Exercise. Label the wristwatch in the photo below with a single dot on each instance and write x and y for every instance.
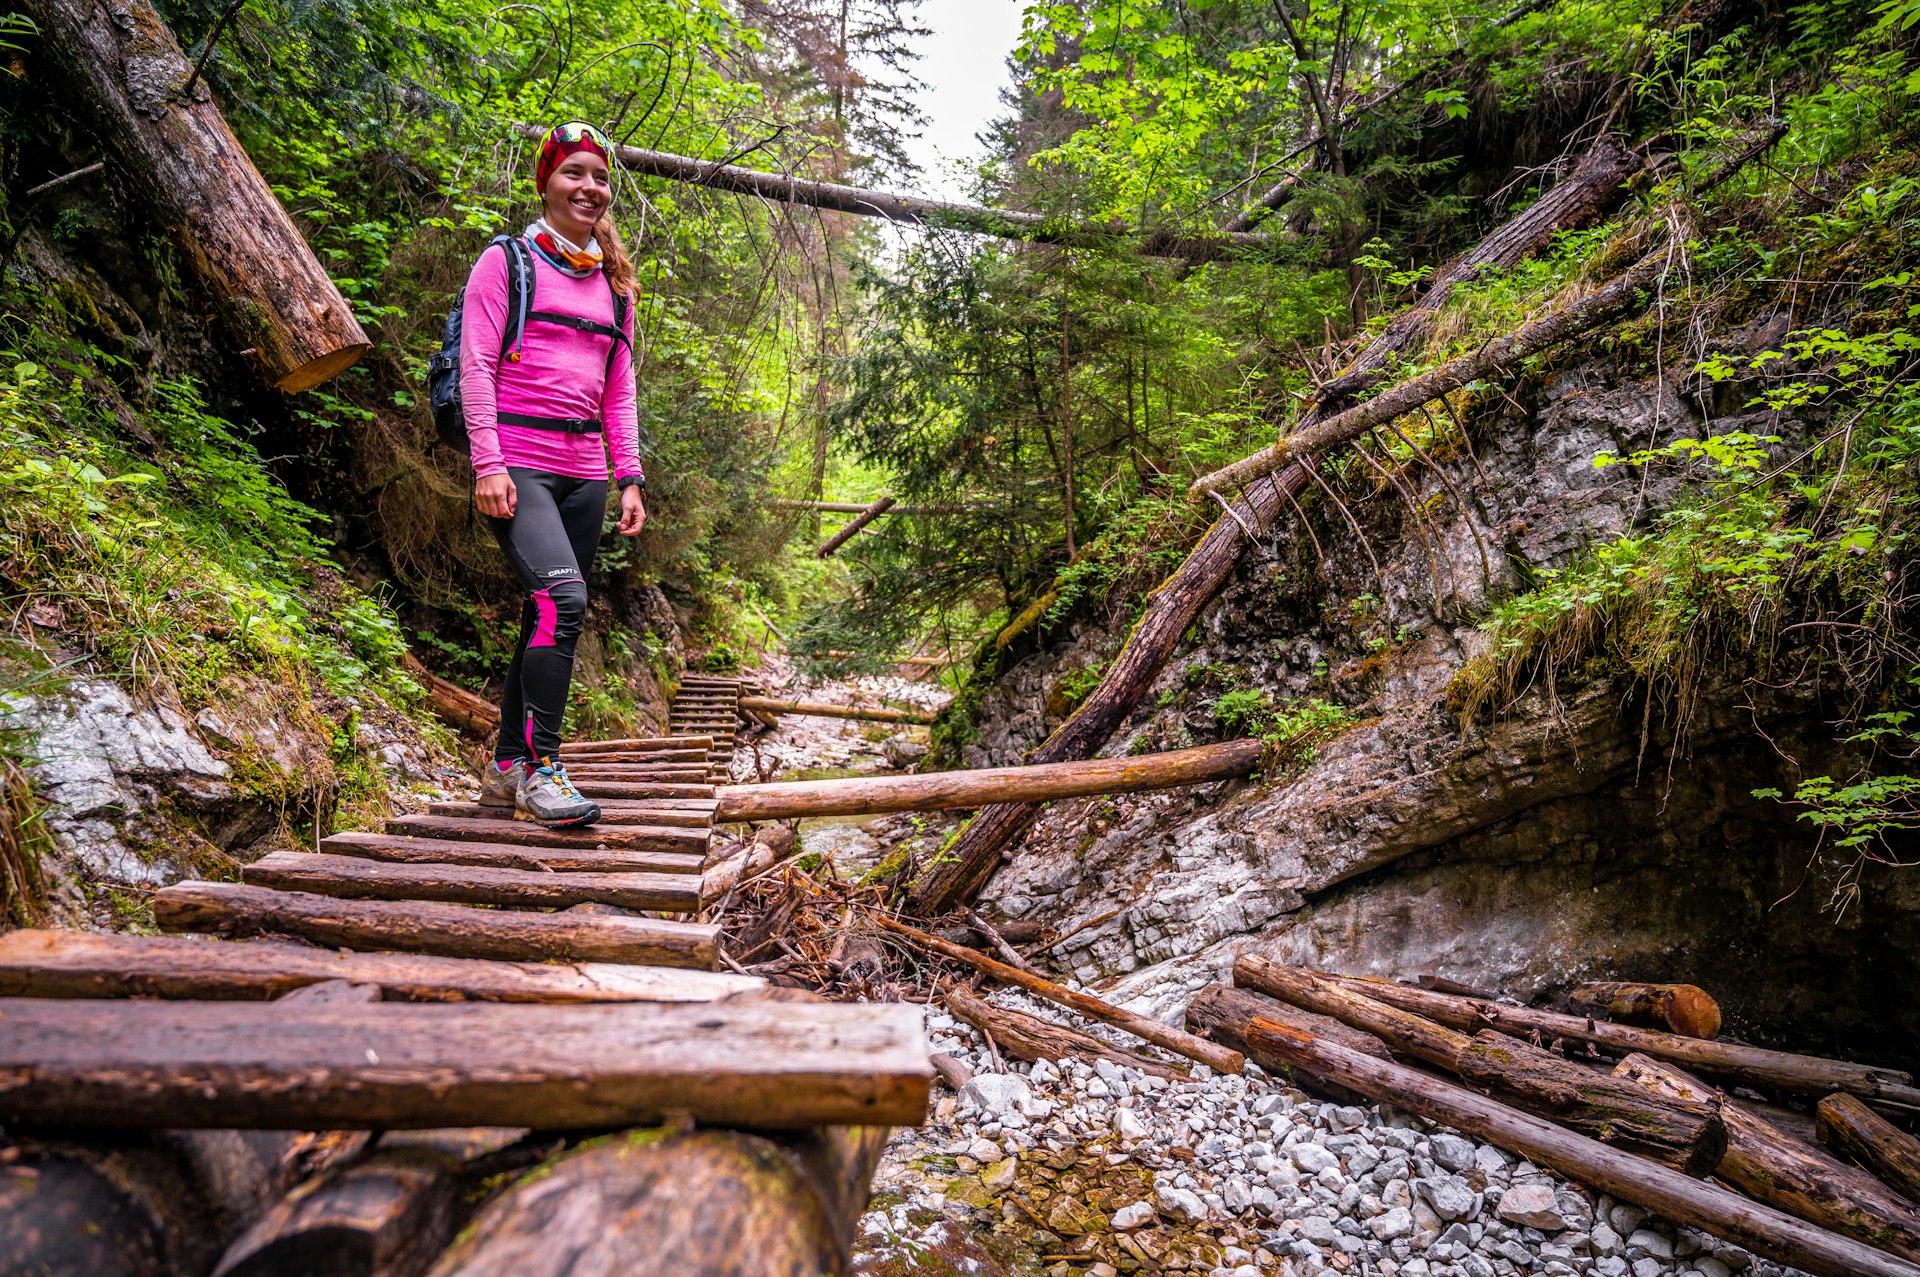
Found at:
(634, 481)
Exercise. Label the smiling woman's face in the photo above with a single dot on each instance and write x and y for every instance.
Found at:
(577, 193)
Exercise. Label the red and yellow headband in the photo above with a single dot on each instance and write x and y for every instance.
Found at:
(563, 140)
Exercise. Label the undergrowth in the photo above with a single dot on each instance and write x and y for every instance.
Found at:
(1292, 731)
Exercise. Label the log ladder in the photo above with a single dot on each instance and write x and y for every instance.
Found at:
(463, 969)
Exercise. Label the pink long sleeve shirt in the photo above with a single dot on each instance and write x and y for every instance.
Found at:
(561, 372)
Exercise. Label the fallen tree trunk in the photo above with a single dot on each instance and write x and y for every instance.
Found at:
(852, 529)
(1623, 296)
(1219, 1058)
(1727, 1215)
(912, 209)
(946, 791)
(1727, 1061)
(1799, 1178)
(422, 926)
(704, 1204)
(1225, 1013)
(810, 709)
(1174, 606)
(1028, 1037)
(353, 879)
(768, 848)
(1849, 1127)
(120, 66)
(1681, 1008)
(1687, 1136)
(452, 704)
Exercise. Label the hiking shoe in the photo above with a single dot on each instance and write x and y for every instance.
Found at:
(498, 787)
(546, 795)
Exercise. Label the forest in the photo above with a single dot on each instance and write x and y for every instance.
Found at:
(1504, 413)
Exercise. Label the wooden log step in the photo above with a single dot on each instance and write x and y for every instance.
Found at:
(647, 757)
(640, 791)
(174, 1065)
(671, 813)
(697, 1204)
(525, 833)
(77, 964)
(809, 709)
(354, 879)
(571, 748)
(419, 926)
(691, 773)
(400, 849)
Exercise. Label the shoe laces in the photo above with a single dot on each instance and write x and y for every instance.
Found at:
(557, 773)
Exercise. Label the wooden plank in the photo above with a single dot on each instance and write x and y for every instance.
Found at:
(75, 964)
(938, 791)
(647, 757)
(692, 774)
(641, 790)
(419, 926)
(356, 879)
(411, 1065)
(525, 833)
(571, 748)
(812, 709)
(401, 849)
(611, 813)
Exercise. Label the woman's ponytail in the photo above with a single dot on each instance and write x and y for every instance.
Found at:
(613, 257)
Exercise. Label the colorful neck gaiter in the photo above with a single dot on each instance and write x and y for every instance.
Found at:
(562, 253)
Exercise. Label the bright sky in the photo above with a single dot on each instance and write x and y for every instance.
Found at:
(964, 65)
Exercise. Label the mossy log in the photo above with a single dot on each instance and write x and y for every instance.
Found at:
(119, 66)
(1849, 1127)
(1768, 1232)
(1224, 1013)
(704, 1204)
(1680, 1008)
(1683, 1134)
(1799, 1178)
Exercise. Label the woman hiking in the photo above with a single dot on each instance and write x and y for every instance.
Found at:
(541, 420)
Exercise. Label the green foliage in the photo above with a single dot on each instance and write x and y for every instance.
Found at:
(1292, 731)
(173, 571)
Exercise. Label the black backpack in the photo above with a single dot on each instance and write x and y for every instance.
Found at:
(443, 369)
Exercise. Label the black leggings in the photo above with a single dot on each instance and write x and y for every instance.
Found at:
(550, 540)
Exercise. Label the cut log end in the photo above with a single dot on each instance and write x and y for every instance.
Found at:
(324, 369)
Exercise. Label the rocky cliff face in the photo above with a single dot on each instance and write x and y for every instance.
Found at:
(1583, 833)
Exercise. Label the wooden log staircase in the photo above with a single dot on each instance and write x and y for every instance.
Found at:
(505, 975)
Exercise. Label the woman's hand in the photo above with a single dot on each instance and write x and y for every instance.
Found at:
(633, 511)
(496, 495)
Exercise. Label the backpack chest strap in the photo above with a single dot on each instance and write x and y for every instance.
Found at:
(575, 322)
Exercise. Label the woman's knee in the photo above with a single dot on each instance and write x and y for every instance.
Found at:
(560, 612)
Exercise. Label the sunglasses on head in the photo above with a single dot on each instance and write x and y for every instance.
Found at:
(568, 134)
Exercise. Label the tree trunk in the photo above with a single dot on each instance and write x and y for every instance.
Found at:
(1682, 1008)
(1727, 1215)
(1851, 1128)
(452, 704)
(402, 849)
(1174, 606)
(706, 1204)
(853, 526)
(1223, 1013)
(418, 926)
(1799, 1178)
(945, 791)
(120, 66)
(1211, 1054)
(397, 1065)
(1006, 224)
(1028, 1037)
(74, 964)
(353, 879)
(1686, 1136)
(1748, 1065)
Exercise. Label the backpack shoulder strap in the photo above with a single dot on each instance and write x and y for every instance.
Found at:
(620, 304)
(520, 276)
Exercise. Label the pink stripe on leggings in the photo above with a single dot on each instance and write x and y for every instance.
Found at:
(546, 621)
